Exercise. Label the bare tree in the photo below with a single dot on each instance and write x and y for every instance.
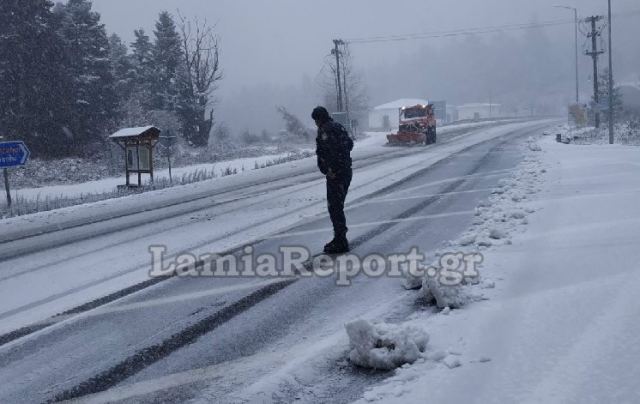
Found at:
(201, 73)
(353, 86)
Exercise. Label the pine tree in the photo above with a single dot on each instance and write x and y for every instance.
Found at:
(294, 126)
(142, 60)
(34, 80)
(603, 95)
(122, 68)
(88, 61)
(167, 60)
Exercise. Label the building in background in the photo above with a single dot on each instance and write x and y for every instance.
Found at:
(478, 111)
(630, 94)
(452, 113)
(440, 111)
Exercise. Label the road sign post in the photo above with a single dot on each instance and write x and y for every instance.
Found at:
(12, 154)
(6, 186)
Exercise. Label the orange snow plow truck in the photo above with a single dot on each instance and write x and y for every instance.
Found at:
(417, 126)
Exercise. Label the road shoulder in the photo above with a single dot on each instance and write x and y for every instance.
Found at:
(558, 297)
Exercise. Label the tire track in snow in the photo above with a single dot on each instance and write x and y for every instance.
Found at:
(33, 328)
(148, 356)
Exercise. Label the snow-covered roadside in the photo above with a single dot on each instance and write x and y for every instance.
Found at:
(626, 133)
(110, 184)
(239, 165)
(89, 212)
(558, 316)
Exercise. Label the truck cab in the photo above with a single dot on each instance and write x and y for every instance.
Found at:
(417, 126)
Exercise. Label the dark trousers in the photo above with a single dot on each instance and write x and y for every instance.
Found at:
(337, 189)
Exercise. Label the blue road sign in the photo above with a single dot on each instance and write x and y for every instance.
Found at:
(13, 154)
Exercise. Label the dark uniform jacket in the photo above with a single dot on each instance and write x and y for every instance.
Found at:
(333, 147)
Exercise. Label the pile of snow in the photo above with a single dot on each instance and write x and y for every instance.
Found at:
(447, 296)
(383, 346)
(495, 222)
(533, 145)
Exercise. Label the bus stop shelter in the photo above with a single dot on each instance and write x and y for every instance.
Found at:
(138, 145)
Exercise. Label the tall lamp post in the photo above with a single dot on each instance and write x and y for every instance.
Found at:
(610, 80)
(575, 13)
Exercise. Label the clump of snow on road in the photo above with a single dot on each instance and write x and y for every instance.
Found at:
(447, 296)
(384, 346)
(533, 145)
(410, 281)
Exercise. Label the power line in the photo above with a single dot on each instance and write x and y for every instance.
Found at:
(471, 31)
(459, 32)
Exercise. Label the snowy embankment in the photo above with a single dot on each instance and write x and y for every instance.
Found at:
(555, 308)
(626, 133)
(373, 144)
(211, 170)
(53, 197)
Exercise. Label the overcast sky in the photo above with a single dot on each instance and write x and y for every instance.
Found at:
(279, 42)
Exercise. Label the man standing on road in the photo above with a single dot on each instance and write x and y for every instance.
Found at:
(333, 147)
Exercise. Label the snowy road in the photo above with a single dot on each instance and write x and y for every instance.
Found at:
(226, 339)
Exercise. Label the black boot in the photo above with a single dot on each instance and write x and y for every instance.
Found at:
(339, 245)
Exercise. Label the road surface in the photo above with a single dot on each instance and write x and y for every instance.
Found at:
(83, 320)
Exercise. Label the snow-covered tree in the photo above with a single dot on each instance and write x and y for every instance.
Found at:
(199, 76)
(142, 60)
(94, 100)
(122, 68)
(167, 60)
(603, 94)
(35, 83)
(294, 126)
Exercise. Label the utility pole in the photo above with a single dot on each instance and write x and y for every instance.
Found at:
(594, 53)
(344, 87)
(610, 81)
(337, 53)
(575, 11)
(575, 15)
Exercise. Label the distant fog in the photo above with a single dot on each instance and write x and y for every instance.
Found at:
(273, 52)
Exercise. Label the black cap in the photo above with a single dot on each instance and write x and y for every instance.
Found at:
(320, 114)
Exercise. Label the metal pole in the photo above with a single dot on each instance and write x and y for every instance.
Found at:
(575, 11)
(6, 186)
(610, 81)
(169, 160)
(575, 14)
(336, 51)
